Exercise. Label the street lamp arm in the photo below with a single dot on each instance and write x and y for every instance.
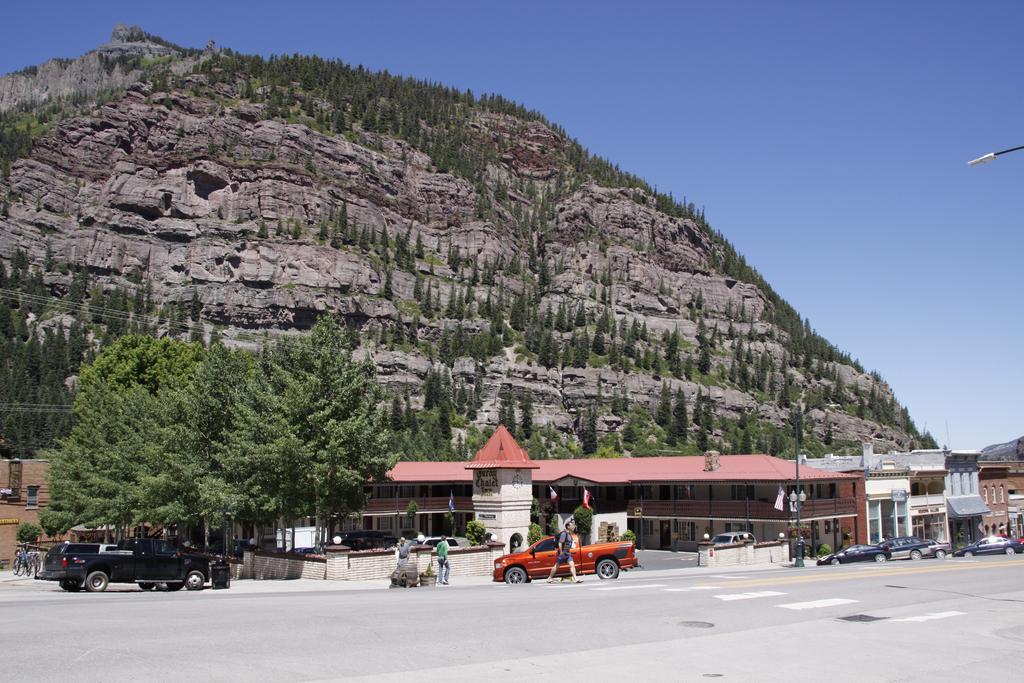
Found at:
(992, 155)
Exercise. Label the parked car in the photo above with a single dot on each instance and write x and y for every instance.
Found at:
(367, 539)
(938, 549)
(905, 547)
(144, 561)
(604, 559)
(453, 541)
(991, 545)
(734, 538)
(857, 553)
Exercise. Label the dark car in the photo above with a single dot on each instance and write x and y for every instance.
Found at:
(857, 553)
(367, 539)
(991, 545)
(143, 561)
(906, 547)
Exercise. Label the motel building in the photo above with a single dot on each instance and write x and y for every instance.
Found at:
(669, 502)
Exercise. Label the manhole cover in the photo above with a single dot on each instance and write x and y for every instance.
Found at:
(696, 624)
(861, 617)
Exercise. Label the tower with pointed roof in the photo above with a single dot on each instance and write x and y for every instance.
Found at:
(503, 488)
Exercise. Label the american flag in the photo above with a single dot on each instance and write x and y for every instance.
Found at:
(451, 501)
(779, 505)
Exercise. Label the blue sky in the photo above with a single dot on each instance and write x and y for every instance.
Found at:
(827, 142)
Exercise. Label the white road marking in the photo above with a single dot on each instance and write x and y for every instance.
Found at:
(724, 576)
(627, 588)
(815, 604)
(932, 616)
(748, 596)
(692, 588)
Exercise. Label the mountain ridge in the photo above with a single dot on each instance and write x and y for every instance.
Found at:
(456, 233)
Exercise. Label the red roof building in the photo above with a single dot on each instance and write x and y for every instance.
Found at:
(669, 502)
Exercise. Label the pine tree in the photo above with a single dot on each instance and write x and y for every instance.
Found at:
(526, 415)
(680, 420)
(663, 415)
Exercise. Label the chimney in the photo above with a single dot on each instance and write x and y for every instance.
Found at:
(869, 449)
(711, 462)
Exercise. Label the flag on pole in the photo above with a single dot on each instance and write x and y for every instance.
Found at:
(586, 498)
(451, 501)
(554, 494)
(779, 499)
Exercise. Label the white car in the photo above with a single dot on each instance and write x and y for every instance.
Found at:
(734, 538)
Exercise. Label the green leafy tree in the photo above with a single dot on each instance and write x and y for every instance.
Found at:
(28, 532)
(584, 518)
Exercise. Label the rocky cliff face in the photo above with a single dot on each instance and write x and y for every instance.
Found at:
(109, 67)
(197, 189)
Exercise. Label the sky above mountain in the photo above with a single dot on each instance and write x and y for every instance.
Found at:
(828, 144)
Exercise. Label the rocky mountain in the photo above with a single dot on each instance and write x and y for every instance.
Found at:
(1011, 450)
(489, 265)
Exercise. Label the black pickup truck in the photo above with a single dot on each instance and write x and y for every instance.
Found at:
(144, 561)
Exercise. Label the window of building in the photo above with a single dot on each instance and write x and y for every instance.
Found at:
(984, 493)
(648, 527)
(1002, 498)
(384, 523)
(33, 497)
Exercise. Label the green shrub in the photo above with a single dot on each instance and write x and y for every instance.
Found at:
(534, 534)
(476, 532)
(584, 519)
(628, 535)
(28, 532)
(824, 549)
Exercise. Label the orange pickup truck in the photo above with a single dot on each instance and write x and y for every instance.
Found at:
(603, 559)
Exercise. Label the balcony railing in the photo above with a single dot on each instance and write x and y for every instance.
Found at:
(398, 506)
(740, 509)
(927, 500)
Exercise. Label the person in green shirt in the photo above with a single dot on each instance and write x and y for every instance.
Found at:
(443, 567)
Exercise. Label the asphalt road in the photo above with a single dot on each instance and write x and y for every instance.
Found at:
(929, 620)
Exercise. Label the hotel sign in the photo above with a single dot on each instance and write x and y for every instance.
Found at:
(899, 495)
(487, 481)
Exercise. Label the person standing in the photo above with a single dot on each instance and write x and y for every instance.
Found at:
(443, 567)
(564, 542)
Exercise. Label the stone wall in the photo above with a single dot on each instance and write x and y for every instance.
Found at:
(344, 564)
(742, 554)
(262, 565)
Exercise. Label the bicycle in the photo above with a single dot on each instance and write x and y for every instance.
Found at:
(33, 565)
(21, 562)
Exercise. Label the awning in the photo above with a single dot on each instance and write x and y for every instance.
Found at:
(966, 506)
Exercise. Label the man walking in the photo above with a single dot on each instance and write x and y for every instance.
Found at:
(443, 567)
(564, 542)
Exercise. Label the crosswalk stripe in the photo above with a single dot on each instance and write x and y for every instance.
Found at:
(692, 588)
(627, 588)
(815, 604)
(748, 596)
(932, 616)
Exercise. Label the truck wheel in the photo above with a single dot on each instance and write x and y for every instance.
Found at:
(146, 586)
(172, 586)
(70, 585)
(515, 575)
(96, 582)
(607, 569)
(195, 580)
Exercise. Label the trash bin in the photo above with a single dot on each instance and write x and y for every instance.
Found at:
(220, 574)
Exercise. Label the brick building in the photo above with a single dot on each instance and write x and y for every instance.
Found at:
(23, 493)
(1001, 480)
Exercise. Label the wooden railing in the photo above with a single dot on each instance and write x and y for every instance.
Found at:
(740, 509)
(398, 506)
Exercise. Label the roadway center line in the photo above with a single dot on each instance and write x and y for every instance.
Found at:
(692, 588)
(932, 616)
(815, 604)
(748, 596)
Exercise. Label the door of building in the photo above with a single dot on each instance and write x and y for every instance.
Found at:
(666, 533)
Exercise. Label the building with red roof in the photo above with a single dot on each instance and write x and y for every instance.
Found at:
(669, 502)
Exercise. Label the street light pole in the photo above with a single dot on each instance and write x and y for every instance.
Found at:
(991, 156)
